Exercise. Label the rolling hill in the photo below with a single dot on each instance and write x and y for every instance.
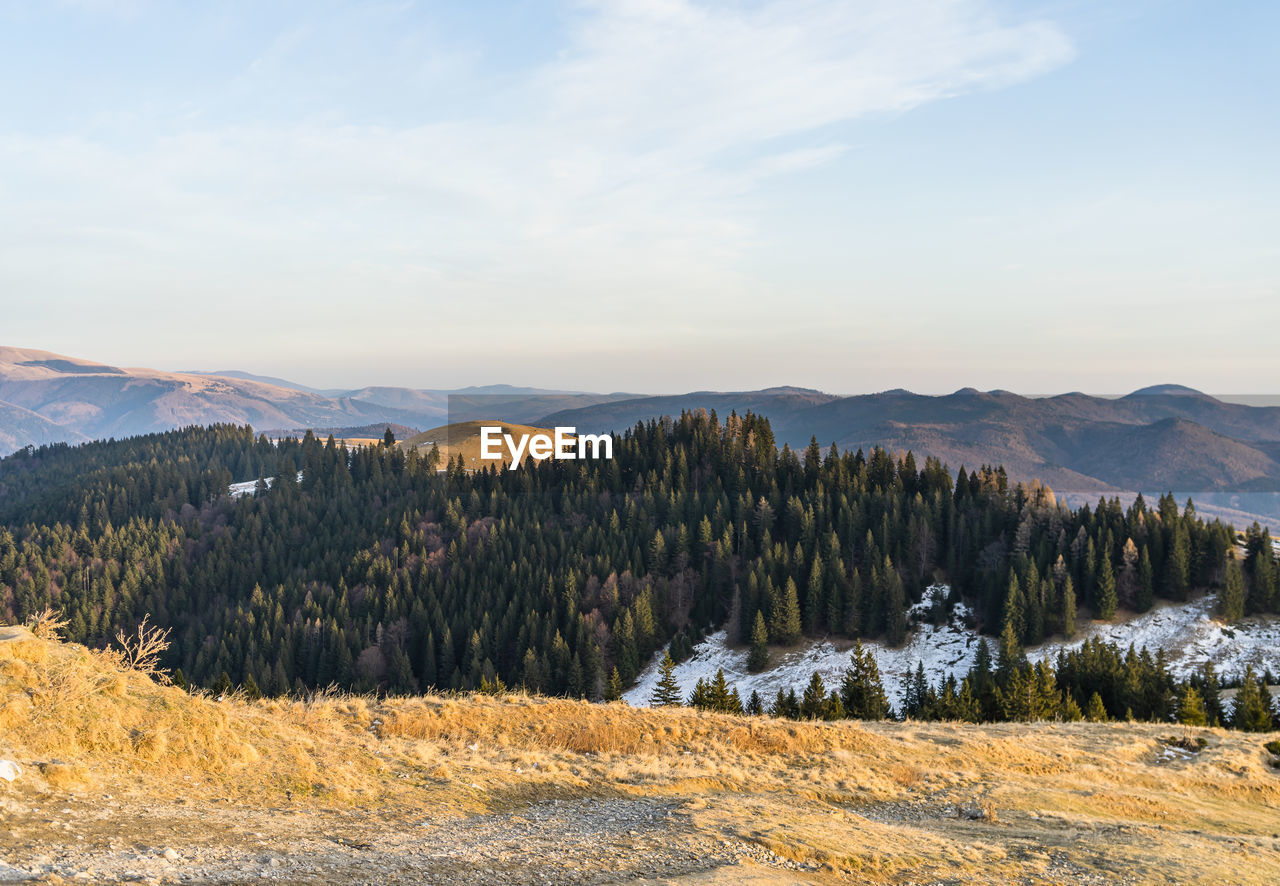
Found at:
(1161, 438)
(1165, 437)
(463, 438)
(47, 397)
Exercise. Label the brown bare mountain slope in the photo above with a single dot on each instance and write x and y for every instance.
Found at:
(92, 400)
(85, 399)
(21, 427)
(1156, 439)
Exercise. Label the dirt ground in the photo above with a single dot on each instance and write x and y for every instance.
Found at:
(127, 780)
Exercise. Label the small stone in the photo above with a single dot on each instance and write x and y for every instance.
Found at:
(171, 855)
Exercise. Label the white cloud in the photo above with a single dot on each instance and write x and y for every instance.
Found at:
(624, 165)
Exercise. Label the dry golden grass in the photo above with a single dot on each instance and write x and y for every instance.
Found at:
(877, 801)
(463, 438)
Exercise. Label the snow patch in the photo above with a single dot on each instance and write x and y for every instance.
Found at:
(946, 649)
(235, 490)
(1187, 632)
(1190, 636)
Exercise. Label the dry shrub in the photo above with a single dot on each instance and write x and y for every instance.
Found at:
(141, 652)
(574, 727)
(905, 775)
(65, 776)
(47, 624)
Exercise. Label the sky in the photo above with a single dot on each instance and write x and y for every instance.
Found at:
(648, 195)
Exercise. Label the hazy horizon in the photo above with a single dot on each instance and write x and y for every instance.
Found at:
(1247, 398)
(648, 195)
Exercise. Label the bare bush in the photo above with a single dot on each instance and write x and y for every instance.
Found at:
(141, 652)
(48, 624)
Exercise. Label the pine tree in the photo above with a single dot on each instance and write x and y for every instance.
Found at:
(701, 696)
(720, 697)
(861, 691)
(1146, 582)
(813, 704)
(1251, 713)
(758, 660)
(1010, 656)
(784, 626)
(1231, 603)
(1106, 579)
(613, 691)
(1069, 712)
(1068, 608)
(1263, 588)
(221, 686)
(1191, 707)
(814, 604)
(1097, 711)
(667, 692)
(895, 605)
(916, 696)
(1211, 689)
(1014, 609)
(754, 706)
(786, 705)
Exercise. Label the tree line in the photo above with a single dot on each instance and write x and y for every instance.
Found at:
(1098, 682)
(381, 570)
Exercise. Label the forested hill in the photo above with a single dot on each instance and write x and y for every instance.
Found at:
(376, 571)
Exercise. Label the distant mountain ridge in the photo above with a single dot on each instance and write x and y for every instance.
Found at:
(1164, 437)
(47, 397)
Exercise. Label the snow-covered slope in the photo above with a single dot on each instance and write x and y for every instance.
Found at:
(1186, 632)
(948, 649)
(1189, 636)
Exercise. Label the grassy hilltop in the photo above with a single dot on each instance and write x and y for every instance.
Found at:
(515, 787)
(463, 438)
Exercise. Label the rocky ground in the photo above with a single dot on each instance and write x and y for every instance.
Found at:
(107, 839)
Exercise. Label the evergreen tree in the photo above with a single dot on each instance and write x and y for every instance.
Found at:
(861, 691)
(784, 626)
(1210, 689)
(1231, 602)
(1146, 582)
(1251, 713)
(1191, 707)
(758, 660)
(1097, 711)
(613, 690)
(813, 704)
(1068, 608)
(721, 697)
(701, 696)
(1106, 580)
(667, 692)
(785, 705)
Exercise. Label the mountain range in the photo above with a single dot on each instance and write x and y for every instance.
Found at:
(1159, 438)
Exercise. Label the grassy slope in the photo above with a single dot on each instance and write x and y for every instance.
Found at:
(464, 438)
(864, 801)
